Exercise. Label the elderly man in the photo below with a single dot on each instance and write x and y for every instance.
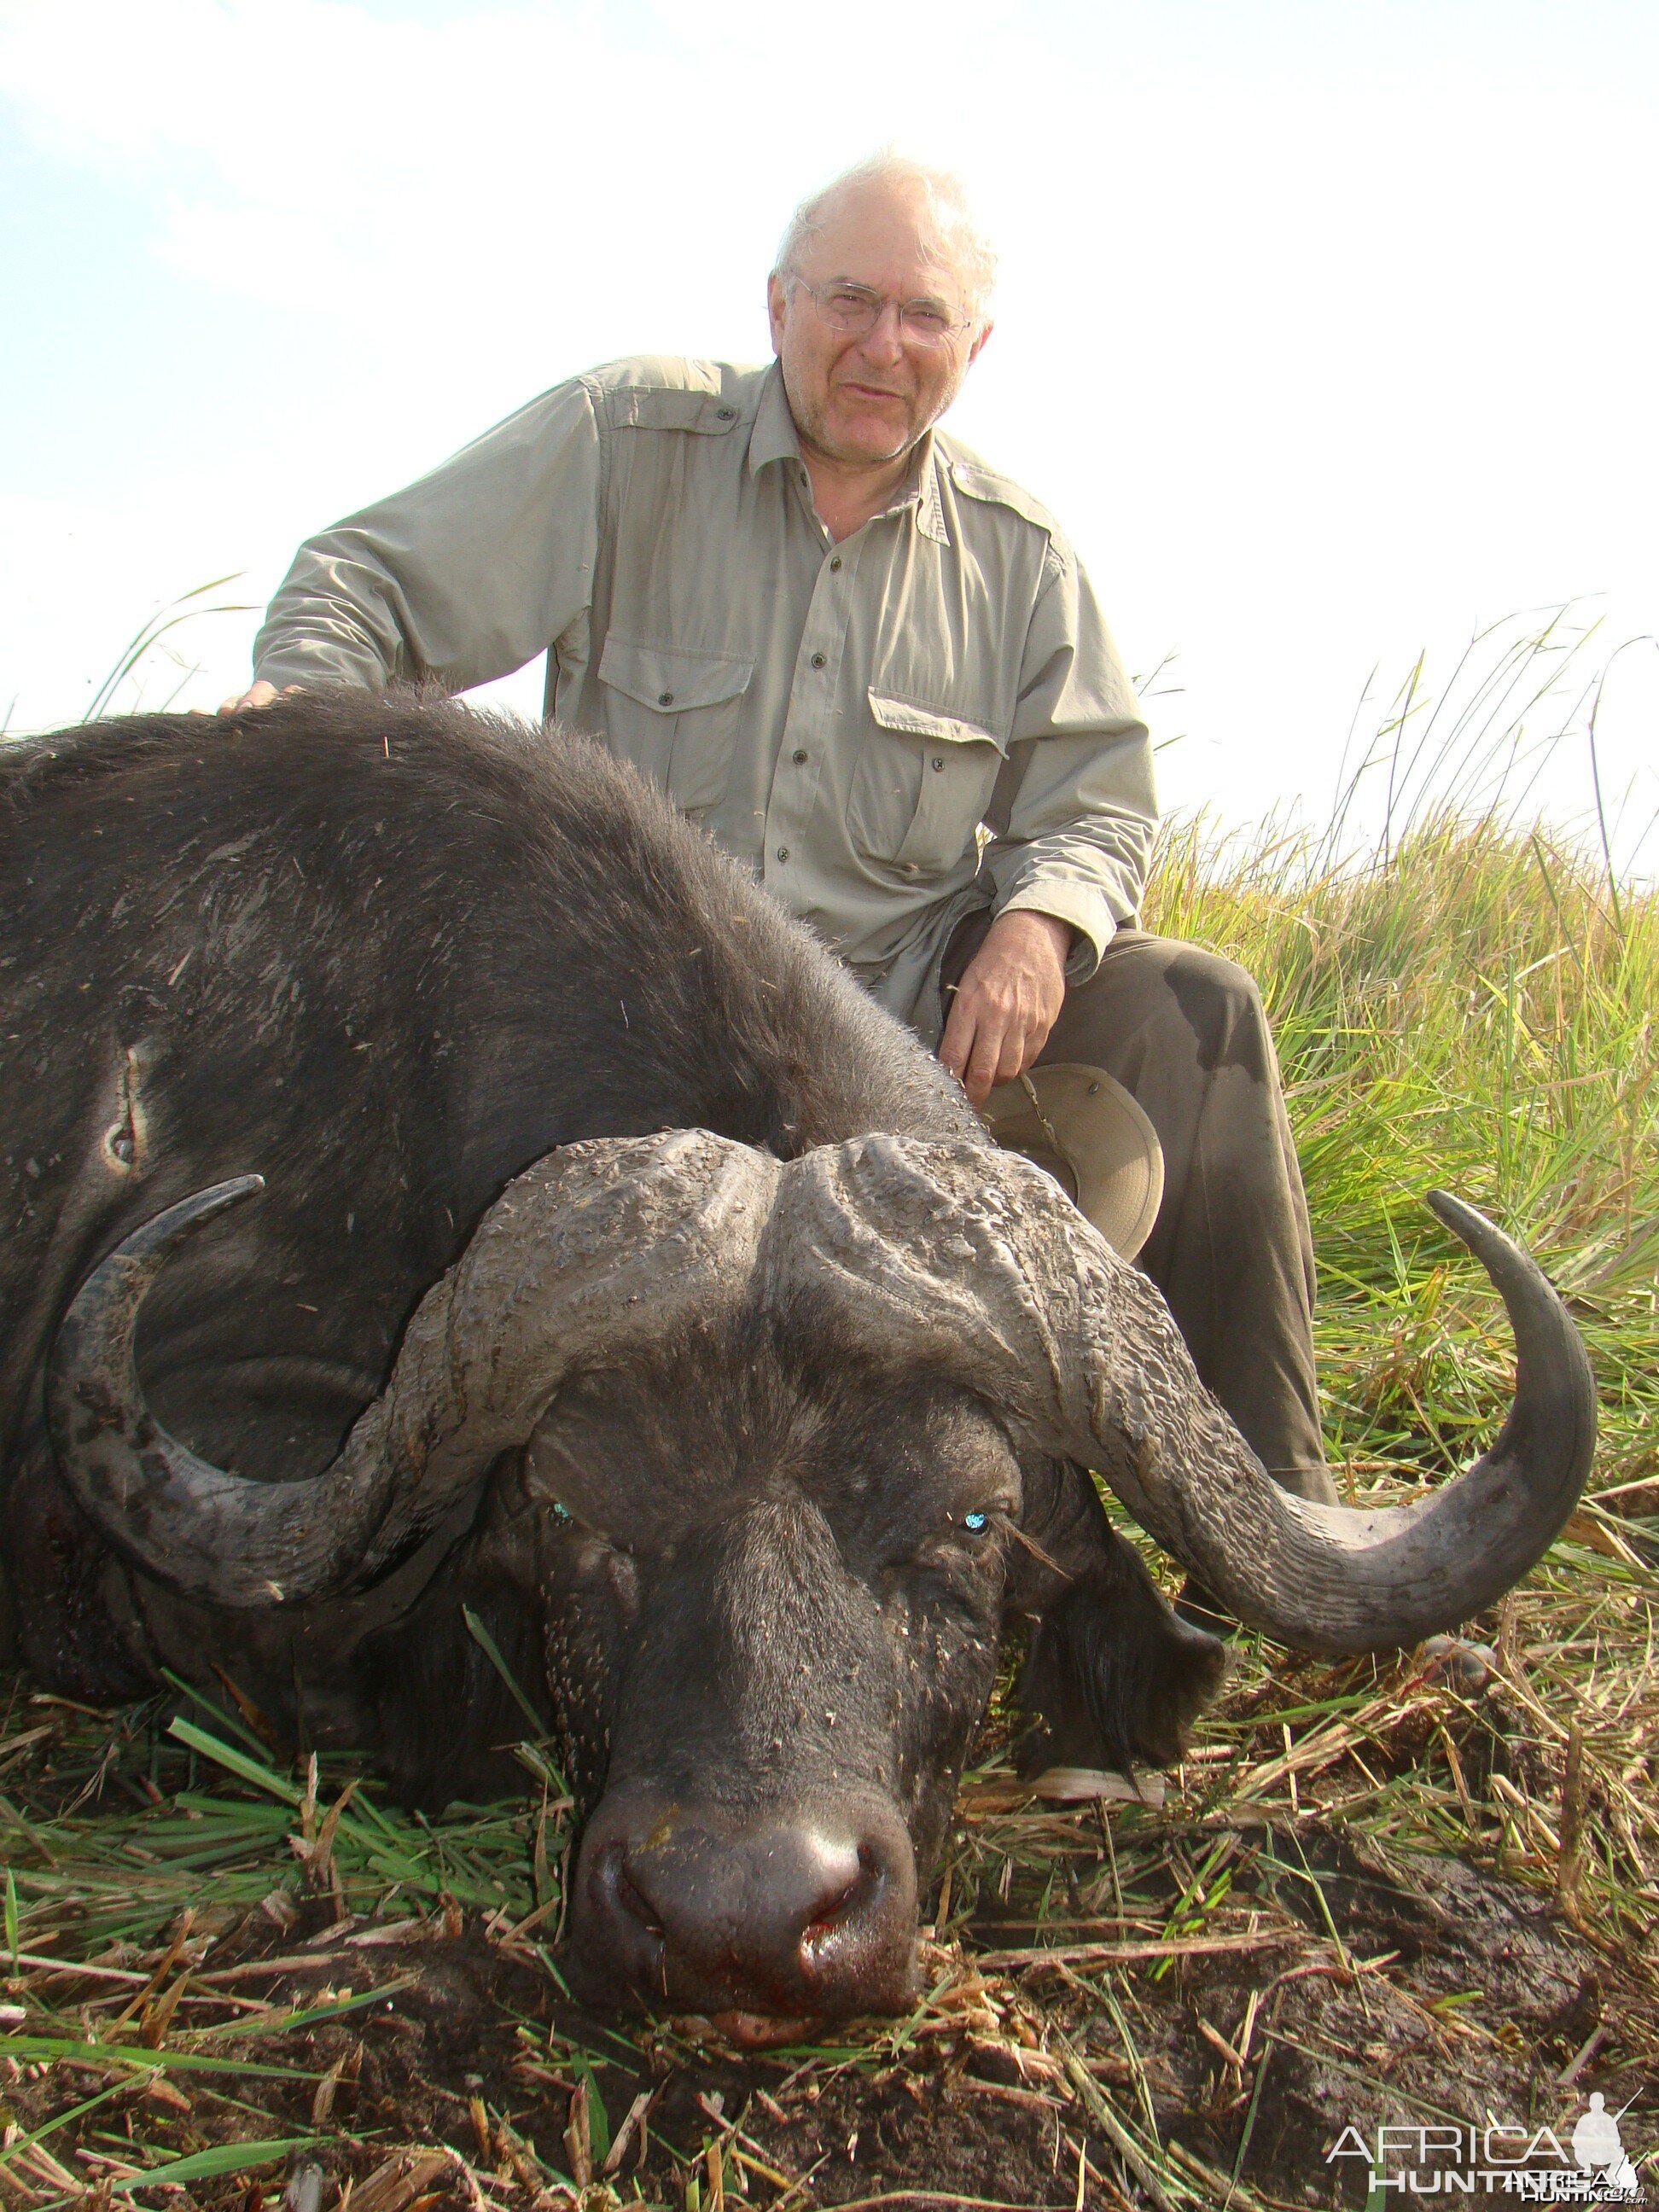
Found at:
(871, 669)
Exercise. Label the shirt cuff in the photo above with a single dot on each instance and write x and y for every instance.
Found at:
(1084, 908)
(315, 671)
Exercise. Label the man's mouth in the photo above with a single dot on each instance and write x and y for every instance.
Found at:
(872, 391)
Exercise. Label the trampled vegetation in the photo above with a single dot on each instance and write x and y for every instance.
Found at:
(1378, 1890)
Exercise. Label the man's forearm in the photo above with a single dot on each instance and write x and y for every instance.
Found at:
(1090, 874)
(1075, 838)
(463, 575)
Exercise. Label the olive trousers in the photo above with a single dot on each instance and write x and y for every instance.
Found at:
(1185, 1032)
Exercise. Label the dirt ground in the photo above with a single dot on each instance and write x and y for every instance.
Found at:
(1331, 1986)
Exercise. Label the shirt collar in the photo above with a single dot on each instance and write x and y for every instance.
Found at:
(773, 437)
(930, 508)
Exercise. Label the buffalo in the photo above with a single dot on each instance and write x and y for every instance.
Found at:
(437, 1182)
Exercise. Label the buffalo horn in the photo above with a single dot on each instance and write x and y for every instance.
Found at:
(975, 1262)
(594, 1252)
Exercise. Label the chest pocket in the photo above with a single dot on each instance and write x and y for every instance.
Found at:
(922, 781)
(675, 716)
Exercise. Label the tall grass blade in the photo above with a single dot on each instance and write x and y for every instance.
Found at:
(486, 1643)
(204, 2164)
(235, 1761)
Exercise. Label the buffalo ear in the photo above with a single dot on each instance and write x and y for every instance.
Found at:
(1112, 1677)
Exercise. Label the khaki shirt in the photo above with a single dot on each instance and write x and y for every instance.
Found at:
(842, 718)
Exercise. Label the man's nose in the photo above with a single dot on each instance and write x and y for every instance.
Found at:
(883, 342)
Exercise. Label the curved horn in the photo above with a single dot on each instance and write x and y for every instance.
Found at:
(976, 1260)
(135, 1480)
(594, 1250)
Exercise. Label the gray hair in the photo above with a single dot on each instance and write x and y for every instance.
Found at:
(953, 235)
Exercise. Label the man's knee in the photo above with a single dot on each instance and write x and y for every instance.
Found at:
(1145, 983)
(1220, 1003)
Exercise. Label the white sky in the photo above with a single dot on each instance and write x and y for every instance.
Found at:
(1328, 329)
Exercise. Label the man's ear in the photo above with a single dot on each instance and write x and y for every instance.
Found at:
(1112, 1678)
(777, 301)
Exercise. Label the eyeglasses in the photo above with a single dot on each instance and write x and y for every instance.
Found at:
(856, 309)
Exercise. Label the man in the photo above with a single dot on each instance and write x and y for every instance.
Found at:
(841, 643)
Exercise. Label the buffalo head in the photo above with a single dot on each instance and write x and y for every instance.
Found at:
(796, 1436)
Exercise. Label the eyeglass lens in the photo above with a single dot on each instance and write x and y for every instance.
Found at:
(855, 309)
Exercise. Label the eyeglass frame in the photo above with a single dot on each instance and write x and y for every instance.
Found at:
(879, 302)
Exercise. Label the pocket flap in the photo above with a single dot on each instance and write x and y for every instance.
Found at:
(927, 722)
(672, 680)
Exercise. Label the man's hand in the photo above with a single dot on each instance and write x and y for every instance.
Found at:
(258, 694)
(1007, 1001)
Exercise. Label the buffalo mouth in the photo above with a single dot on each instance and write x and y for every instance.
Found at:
(764, 1921)
(755, 2031)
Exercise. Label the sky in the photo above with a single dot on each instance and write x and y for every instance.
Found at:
(1327, 331)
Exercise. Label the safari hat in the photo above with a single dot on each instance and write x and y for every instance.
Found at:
(1083, 1127)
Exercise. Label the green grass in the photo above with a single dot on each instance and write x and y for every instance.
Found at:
(1479, 1011)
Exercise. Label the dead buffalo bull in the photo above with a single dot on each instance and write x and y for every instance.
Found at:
(622, 1274)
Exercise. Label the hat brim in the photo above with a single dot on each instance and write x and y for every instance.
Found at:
(1087, 1131)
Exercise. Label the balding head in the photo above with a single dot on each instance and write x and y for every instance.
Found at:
(934, 197)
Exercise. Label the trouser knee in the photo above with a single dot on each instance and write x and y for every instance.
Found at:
(1185, 1030)
(1221, 1005)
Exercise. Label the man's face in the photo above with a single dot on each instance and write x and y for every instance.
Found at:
(862, 401)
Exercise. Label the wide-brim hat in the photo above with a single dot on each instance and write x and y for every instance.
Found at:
(1083, 1127)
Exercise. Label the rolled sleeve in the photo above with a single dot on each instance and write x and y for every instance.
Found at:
(464, 577)
(1077, 837)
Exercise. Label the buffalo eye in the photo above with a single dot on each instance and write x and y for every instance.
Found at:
(966, 1532)
(572, 1524)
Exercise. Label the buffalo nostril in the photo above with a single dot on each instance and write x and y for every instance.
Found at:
(833, 1913)
(616, 1892)
(634, 1900)
(617, 1888)
(828, 1915)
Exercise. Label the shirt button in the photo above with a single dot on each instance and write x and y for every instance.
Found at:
(800, 759)
(665, 698)
(783, 852)
(938, 761)
(818, 660)
(725, 414)
(835, 563)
